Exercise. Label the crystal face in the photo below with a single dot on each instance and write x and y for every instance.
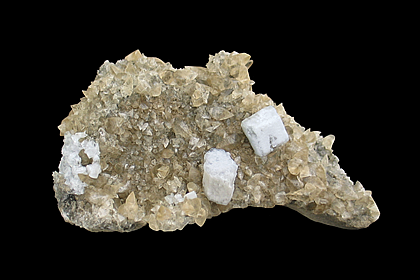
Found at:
(265, 131)
(138, 147)
(219, 176)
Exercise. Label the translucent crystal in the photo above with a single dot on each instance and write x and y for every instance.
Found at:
(220, 113)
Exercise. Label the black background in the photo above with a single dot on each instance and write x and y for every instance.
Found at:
(339, 68)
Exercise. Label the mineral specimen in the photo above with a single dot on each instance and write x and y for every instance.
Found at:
(219, 176)
(138, 149)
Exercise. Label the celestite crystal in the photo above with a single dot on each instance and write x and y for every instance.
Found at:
(134, 151)
(219, 176)
(265, 131)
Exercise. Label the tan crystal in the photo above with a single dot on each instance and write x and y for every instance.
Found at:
(130, 208)
(200, 95)
(194, 175)
(162, 171)
(328, 141)
(167, 153)
(136, 55)
(295, 165)
(191, 207)
(163, 213)
(156, 91)
(192, 187)
(220, 113)
(154, 123)
(201, 217)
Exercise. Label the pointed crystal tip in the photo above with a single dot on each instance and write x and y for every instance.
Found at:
(133, 56)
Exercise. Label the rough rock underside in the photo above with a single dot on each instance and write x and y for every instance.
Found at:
(134, 149)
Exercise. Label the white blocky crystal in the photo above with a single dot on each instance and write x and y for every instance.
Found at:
(219, 176)
(191, 195)
(179, 197)
(71, 163)
(265, 131)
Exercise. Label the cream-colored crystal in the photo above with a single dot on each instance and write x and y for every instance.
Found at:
(164, 213)
(130, 208)
(153, 125)
(220, 113)
(136, 55)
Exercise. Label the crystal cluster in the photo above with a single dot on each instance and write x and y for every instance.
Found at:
(140, 148)
(79, 157)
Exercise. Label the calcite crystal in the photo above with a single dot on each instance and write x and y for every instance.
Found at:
(135, 145)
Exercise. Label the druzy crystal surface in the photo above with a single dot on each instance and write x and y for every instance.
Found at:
(135, 145)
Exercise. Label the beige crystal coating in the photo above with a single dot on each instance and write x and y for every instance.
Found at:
(154, 123)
